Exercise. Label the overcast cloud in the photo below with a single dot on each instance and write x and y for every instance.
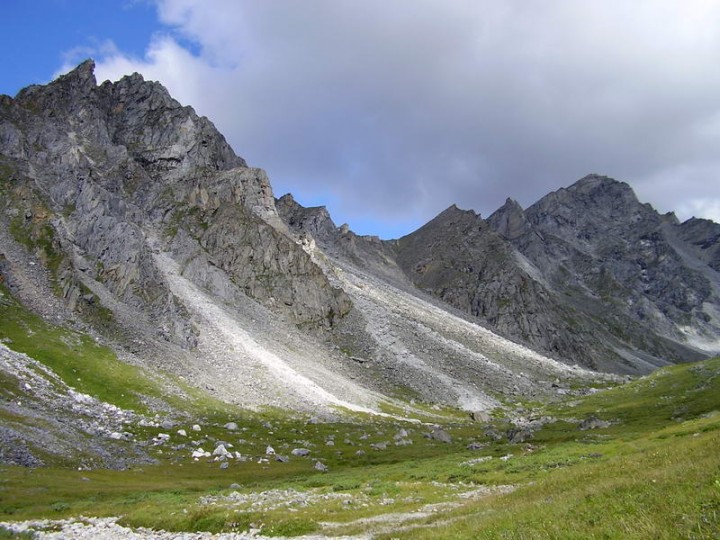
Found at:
(388, 112)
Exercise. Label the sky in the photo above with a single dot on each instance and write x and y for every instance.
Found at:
(387, 112)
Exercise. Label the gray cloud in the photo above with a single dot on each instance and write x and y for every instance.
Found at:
(391, 111)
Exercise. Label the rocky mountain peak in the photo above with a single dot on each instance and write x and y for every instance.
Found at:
(453, 210)
(593, 205)
(123, 166)
(83, 76)
(456, 217)
(314, 220)
(509, 220)
(62, 94)
(161, 133)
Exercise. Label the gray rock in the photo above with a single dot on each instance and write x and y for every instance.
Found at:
(439, 434)
(593, 422)
(480, 416)
(220, 450)
(476, 446)
(301, 452)
(519, 435)
(400, 434)
(319, 466)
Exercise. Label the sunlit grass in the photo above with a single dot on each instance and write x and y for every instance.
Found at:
(80, 362)
(654, 472)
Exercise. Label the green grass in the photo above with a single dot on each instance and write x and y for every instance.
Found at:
(653, 488)
(653, 473)
(80, 362)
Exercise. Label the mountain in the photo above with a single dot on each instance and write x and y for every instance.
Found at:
(248, 366)
(127, 217)
(645, 280)
(586, 275)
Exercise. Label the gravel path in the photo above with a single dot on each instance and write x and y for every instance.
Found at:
(108, 529)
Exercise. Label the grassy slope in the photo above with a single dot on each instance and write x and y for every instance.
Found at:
(78, 360)
(654, 473)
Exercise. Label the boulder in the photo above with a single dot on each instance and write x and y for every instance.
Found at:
(593, 422)
(439, 434)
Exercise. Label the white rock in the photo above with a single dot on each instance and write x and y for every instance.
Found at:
(220, 451)
(196, 427)
(182, 432)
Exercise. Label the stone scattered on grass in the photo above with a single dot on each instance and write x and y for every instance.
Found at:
(439, 434)
(593, 422)
(476, 446)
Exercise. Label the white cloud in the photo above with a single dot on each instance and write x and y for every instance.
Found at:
(394, 110)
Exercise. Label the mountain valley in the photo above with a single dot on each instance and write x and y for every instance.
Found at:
(173, 336)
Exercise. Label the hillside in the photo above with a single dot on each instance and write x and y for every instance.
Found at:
(167, 247)
(172, 336)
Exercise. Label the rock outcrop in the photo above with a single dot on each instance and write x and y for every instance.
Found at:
(587, 275)
(97, 177)
(641, 277)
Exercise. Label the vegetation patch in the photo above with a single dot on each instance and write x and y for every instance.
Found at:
(80, 362)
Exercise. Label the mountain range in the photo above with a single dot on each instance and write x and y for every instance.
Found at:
(128, 217)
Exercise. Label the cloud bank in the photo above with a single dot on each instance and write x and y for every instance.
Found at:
(388, 112)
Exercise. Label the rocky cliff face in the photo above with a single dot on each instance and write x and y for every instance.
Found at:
(368, 252)
(96, 177)
(459, 258)
(641, 277)
(587, 275)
